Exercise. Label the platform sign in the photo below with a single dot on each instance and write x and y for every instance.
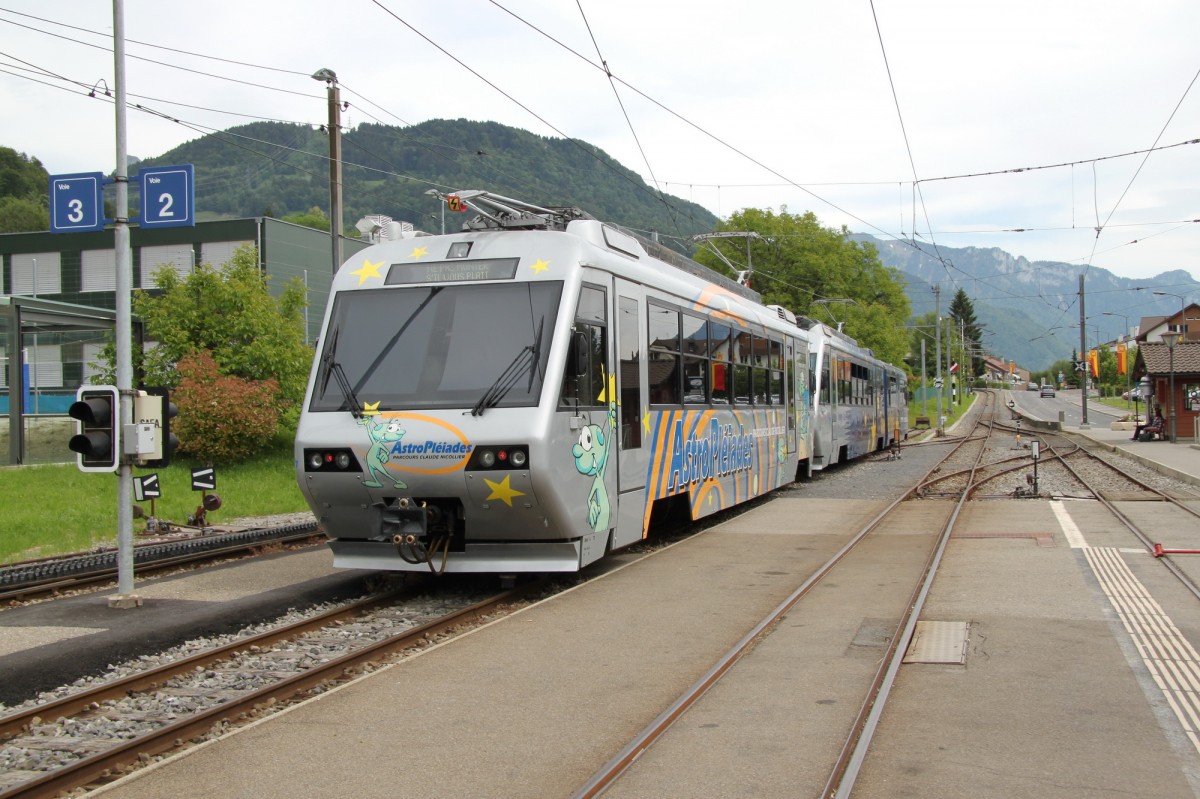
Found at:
(168, 196)
(77, 202)
(146, 487)
(204, 479)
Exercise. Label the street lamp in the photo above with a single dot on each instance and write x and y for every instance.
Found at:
(1171, 338)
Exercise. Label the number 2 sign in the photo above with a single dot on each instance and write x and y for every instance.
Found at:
(168, 196)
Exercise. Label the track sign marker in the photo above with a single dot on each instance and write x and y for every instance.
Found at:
(204, 479)
(168, 196)
(77, 202)
(146, 487)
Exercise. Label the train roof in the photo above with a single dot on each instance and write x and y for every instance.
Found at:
(494, 212)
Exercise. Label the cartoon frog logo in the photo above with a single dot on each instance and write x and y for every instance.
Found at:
(384, 434)
(591, 457)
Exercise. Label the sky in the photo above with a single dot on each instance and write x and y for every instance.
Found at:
(884, 117)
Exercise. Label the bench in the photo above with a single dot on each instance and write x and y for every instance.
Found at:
(921, 421)
(1149, 433)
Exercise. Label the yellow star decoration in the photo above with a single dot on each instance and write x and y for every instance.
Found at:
(368, 270)
(646, 421)
(418, 252)
(503, 491)
(540, 265)
(370, 409)
(609, 391)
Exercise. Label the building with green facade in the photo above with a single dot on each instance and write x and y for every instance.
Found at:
(43, 360)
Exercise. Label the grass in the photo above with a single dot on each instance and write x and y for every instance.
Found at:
(951, 409)
(55, 509)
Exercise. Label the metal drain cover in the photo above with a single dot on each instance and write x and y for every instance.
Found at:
(939, 642)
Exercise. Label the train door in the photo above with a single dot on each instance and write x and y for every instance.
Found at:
(801, 399)
(633, 458)
(591, 408)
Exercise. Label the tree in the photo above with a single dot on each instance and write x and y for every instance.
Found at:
(24, 193)
(967, 331)
(313, 218)
(22, 175)
(798, 264)
(229, 315)
(23, 215)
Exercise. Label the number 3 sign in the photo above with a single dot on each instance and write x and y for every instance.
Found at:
(76, 202)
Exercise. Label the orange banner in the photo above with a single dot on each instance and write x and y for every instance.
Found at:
(1122, 356)
(1094, 362)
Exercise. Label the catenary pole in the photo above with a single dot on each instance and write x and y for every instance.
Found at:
(125, 597)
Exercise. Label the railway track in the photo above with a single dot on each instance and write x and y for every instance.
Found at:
(105, 730)
(21, 581)
(964, 457)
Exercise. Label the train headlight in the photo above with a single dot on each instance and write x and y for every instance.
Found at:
(330, 460)
(499, 457)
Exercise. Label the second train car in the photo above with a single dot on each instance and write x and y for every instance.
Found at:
(522, 395)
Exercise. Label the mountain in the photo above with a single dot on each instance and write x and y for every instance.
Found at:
(1032, 307)
(278, 168)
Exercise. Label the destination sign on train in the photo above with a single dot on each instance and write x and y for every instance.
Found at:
(453, 271)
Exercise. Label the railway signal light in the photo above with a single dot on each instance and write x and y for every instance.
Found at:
(97, 439)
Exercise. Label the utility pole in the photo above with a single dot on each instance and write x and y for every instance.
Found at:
(1083, 376)
(937, 358)
(335, 162)
(125, 597)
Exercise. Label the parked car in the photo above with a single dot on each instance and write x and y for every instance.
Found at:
(1031, 386)
(1047, 390)
(1132, 394)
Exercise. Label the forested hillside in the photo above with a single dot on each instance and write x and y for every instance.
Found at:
(277, 169)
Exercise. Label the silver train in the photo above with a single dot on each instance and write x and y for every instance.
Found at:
(527, 394)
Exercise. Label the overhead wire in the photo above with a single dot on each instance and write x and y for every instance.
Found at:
(590, 151)
(625, 113)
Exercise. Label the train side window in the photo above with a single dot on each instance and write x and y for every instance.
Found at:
(630, 357)
(722, 382)
(584, 381)
(664, 362)
(742, 387)
(775, 387)
(695, 335)
(742, 346)
(695, 380)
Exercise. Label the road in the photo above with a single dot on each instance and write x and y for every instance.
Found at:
(1068, 403)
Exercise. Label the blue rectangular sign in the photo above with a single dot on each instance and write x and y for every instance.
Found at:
(168, 196)
(77, 202)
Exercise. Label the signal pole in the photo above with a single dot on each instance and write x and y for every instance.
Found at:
(1087, 368)
(335, 162)
(937, 358)
(124, 598)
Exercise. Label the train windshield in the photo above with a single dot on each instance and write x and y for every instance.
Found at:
(448, 346)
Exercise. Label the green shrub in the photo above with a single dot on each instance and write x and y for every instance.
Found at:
(223, 419)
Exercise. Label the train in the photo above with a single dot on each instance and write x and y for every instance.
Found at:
(536, 390)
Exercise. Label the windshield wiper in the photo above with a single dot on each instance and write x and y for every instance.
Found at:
(529, 358)
(332, 367)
